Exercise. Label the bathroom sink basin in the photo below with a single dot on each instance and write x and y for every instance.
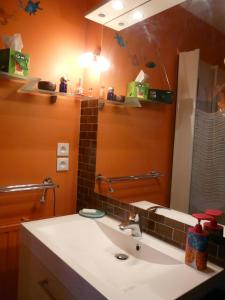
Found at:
(88, 247)
(96, 245)
(127, 244)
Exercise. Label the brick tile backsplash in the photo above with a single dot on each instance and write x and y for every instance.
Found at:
(179, 236)
(175, 224)
(163, 228)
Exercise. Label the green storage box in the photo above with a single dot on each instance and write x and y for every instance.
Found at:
(14, 62)
(137, 89)
(163, 96)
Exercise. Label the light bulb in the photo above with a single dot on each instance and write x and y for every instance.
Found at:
(103, 64)
(95, 62)
(117, 5)
(137, 15)
(86, 59)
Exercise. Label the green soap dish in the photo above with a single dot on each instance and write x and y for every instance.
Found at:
(95, 215)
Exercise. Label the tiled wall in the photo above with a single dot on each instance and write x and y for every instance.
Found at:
(169, 230)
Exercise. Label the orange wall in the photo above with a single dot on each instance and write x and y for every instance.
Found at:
(30, 126)
(134, 141)
(54, 37)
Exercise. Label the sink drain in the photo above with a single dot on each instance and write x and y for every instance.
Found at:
(121, 256)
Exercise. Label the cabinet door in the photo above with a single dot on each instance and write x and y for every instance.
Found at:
(9, 240)
(36, 282)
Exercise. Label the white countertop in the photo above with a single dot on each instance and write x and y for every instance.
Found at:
(76, 248)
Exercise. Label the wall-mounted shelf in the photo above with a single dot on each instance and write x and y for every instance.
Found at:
(129, 102)
(13, 77)
(30, 87)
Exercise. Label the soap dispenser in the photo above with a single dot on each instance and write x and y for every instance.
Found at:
(212, 226)
(197, 243)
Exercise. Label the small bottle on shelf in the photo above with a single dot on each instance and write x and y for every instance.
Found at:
(90, 92)
(79, 88)
(110, 95)
(63, 85)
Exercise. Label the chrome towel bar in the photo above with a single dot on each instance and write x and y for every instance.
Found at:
(110, 180)
(45, 185)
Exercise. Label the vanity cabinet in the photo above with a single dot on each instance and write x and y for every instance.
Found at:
(37, 282)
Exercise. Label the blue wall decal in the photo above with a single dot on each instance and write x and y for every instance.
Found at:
(32, 7)
(150, 65)
(120, 40)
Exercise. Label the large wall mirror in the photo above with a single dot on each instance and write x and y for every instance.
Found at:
(139, 142)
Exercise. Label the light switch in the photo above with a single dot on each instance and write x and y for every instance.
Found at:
(63, 149)
(62, 164)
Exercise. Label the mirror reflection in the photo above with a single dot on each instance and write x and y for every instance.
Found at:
(170, 154)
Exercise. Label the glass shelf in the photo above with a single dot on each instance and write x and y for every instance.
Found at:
(112, 102)
(13, 76)
(50, 93)
(129, 102)
(30, 87)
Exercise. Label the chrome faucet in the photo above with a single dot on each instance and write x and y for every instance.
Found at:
(133, 224)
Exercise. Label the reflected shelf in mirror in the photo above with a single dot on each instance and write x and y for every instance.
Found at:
(129, 102)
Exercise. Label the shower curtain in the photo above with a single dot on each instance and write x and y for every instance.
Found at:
(208, 162)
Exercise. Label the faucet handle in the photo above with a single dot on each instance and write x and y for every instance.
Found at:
(134, 218)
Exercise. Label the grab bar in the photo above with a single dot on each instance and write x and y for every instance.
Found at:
(45, 185)
(110, 180)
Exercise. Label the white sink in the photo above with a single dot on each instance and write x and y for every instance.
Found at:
(127, 244)
(89, 246)
(96, 245)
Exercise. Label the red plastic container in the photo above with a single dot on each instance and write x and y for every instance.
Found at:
(213, 226)
(197, 244)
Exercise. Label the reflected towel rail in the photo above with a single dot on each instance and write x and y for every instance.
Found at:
(45, 185)
(110, 180)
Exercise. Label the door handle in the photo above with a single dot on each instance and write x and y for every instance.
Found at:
(44, 284)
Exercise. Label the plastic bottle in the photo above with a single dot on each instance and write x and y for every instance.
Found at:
(110, 95)
(79, 88)
(90, 92)
(197, 244)
(212, 226)
(63, 85)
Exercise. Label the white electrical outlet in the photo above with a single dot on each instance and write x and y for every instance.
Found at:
(62, 164)
(63, 149)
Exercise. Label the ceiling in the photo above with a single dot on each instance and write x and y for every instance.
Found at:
(210, 11)
(125, 17)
